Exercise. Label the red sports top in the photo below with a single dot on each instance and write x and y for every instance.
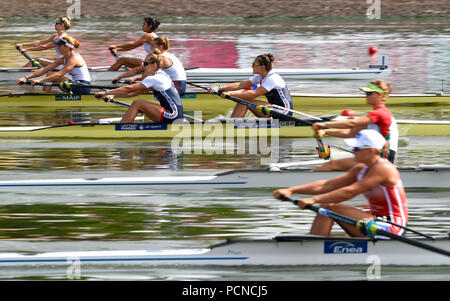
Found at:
(389, 201)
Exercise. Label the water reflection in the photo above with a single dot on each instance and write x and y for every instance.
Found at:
(413, 48)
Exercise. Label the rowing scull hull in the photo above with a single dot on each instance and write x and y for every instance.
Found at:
(420, 177)
(279, 251)
(199, 101)
(211, 131)
(232, 74)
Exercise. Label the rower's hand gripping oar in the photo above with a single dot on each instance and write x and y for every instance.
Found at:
(34, 62)
(367, 227)
(114, 101)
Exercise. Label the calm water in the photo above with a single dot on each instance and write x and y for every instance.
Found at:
(52, 220)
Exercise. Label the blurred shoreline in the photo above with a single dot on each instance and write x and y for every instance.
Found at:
(220, 9)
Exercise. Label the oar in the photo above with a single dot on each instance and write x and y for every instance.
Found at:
(69, 85)
(324, 151)
(34, 62)
(124, 104)
(265, 109)
(368, 227)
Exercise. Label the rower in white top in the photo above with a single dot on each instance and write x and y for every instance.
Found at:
(149, 27)
(170, 64)
(73, 64)
(62, 25)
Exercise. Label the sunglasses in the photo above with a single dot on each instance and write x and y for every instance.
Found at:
(144, 63)
(255, 64)
(370, 93)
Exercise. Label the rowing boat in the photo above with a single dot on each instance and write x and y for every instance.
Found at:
(432, 176)
(278, 251)
(229, 74)
(194, 100)
(215, 130)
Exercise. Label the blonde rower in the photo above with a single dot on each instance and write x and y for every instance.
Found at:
(379, 119)
(73, 64)
(62, 25)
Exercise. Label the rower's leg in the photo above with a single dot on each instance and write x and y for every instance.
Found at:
(322, 225)
(125, 61)
(239, 111)
(152, 110)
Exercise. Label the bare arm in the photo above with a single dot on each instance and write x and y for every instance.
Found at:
(37, 43)
(249, 94)
(125, 91)
(42, 71)
(134, 44)
(70, 64)
(322, 186)
(379, 174)
(129, 73)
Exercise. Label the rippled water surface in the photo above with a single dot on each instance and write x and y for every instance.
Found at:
(75, 219)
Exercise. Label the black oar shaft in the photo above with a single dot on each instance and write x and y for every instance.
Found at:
(379, 231)
(69, 85)
(34, 62)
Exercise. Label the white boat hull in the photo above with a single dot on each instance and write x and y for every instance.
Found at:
(233, 74)
(421, 177)
(279, 251)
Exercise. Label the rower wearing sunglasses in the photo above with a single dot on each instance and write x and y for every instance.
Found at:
(270, 84)
(73, 64)
(62, 25)
(379, 119)
(376, 178)
(170, 107)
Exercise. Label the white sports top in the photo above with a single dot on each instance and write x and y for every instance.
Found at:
(176, 71)
(80, 73)
(159, 82)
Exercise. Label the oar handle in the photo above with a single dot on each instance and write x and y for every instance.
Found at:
(34, 62)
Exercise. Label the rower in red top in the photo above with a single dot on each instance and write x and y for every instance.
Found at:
(380, 119)
(376, 178)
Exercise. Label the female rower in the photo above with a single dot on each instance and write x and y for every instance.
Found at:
(271, 85)
(73, 64)
(376, 178)
(380, 119)
(62, 25)
(170, 108)
(170, 64)
(149, 26)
